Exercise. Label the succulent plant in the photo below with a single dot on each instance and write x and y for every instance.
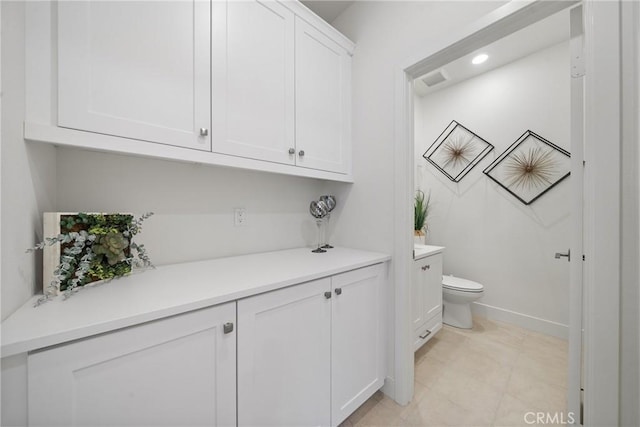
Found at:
(94, 247)
(112, 245)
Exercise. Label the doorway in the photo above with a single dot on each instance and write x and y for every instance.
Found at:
(503, 21)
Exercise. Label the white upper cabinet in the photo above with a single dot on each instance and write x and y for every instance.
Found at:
(253, 84)
(323, 93)
(252, 80)
(136, 69)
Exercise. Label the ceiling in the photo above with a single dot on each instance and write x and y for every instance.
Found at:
(543, 34)
(327, 9)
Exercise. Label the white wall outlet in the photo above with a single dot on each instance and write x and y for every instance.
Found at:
(239, 217)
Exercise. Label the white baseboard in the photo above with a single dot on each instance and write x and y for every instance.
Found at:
(523, 320)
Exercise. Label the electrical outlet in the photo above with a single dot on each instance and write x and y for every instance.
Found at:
(239, 217)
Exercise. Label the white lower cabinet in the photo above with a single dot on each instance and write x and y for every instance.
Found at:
(284, 340)
(357, 325)
(305, 355)
(179, 370)
(312, 353)
(426, 298)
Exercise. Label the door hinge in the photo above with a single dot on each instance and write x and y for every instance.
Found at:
(577, 66)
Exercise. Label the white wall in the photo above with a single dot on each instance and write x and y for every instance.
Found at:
(387, 34)
(27, 188)
(193, 204)
(28, 172)
(490, 236)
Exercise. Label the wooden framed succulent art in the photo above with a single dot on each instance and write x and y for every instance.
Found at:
(530, 167)
(456, 151)
(86, 248)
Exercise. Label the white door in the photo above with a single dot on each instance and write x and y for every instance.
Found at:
(136, 69)
(357, 325)
(284, 357)
(323, 96)
(253, 80)
(430, 271)
(574, 385)
(175, 371)
(417, 295)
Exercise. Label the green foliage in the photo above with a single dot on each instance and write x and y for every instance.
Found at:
(112, 245)
(95, 247)
(421, 211)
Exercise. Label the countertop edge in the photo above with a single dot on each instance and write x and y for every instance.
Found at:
(33, 343)
(432, 251)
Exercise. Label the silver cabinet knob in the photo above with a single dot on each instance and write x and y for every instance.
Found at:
(425, 267)
(301, 153)
(227, 328)
(327, 295)
(338, 291)
(292, 151)
(204, 131)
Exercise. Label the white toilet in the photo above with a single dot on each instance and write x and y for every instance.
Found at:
(457, 296)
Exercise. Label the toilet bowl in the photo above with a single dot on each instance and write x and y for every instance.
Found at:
(457, 296)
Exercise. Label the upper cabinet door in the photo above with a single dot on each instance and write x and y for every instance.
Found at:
(253, 80)
(136, 69)
(323, 93)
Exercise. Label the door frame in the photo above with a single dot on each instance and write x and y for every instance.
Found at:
(601, 191)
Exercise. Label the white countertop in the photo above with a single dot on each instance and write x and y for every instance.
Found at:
(169, 290)
(421, 251)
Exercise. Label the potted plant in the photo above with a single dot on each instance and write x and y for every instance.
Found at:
(421, 212)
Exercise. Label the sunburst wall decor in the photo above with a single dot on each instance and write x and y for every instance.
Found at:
(530, 167)
(456, 151)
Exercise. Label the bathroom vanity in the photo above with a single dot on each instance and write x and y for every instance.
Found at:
(426, 293)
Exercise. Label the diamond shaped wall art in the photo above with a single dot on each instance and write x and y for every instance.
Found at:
(456, 151)
(530, 167)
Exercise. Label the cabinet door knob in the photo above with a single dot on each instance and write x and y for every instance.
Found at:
(425, 267)
(426, 334)
(204, 131)
(338, 291)
(292, 151)
(327, 295)
(227, 328)
(301, 153)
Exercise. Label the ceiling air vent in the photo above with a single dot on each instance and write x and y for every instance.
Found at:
(434, 78)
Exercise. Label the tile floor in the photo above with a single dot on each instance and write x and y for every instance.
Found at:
(491, 375)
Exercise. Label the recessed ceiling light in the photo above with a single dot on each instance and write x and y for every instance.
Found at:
(479, 59)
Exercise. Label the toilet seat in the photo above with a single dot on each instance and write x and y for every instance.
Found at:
(461, 285)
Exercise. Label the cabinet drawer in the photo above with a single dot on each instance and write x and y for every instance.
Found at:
(427, 330)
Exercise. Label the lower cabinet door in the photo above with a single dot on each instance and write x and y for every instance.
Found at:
(284, 356)
(169, 372)
(357, 326)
